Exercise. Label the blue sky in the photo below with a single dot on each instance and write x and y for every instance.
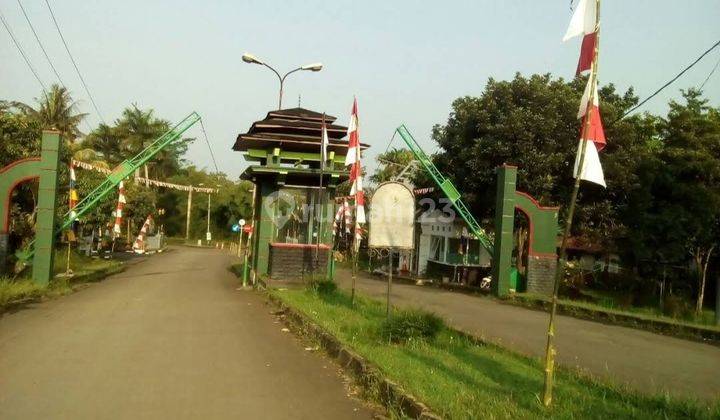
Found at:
(406, 61)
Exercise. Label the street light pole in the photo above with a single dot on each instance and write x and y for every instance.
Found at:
(251, 59)
(207, 234)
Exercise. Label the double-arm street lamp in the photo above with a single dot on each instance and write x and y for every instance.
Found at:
(251, 59)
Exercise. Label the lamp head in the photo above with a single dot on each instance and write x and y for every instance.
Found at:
(251, 59)
(312, 67)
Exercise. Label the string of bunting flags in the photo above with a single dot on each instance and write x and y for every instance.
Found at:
(146, 181)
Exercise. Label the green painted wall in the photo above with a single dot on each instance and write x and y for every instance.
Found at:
(504, 223)
(47, 200)
(543, 223)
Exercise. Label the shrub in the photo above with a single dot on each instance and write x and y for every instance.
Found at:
(677, 307)
(323, 287)
(411, 325)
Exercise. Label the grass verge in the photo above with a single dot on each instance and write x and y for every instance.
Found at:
(458, 378)
(647, 322)
(14, 292)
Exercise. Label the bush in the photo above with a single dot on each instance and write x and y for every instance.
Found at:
(411, 325)
(323, 287)
(677, 307)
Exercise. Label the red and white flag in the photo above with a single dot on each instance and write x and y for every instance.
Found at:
(583, 23)
(139, 245)
(117, 229)
(324, 143)
(591, 131)
(353, 159)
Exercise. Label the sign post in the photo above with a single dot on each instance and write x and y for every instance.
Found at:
(241, 222)
(246, 269)
(392, 225)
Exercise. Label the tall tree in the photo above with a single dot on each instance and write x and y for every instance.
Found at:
(55, 110)
(106, 141)
(393, 163)
(675, 217)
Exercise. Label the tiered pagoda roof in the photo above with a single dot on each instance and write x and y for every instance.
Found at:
(294, 129)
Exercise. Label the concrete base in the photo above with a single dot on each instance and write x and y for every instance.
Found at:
(292, 261)
(541, 274)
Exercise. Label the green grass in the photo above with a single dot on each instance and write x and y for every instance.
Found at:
(611, 300)
(458, 378)
(23, 288)
(707, 320)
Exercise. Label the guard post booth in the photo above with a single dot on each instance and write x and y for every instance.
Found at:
(284, 152)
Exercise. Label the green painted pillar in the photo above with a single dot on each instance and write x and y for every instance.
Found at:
(504, 221)
(266, 225)
(47, 197)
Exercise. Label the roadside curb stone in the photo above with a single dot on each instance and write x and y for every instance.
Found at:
(367, 375)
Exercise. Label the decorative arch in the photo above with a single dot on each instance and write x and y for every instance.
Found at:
(10, 177)
(542, 238)
(46, 169)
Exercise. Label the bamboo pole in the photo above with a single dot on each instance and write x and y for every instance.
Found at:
(550, 351)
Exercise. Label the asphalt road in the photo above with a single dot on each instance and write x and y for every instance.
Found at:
(170, 338)
(642, 360)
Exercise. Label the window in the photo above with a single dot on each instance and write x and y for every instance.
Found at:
(294, 217)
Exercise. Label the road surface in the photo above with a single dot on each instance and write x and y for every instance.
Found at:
(170, 338)
(644, 361)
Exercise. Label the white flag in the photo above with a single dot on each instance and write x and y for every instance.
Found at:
(582, 21)
(324, 145)
(592, 169)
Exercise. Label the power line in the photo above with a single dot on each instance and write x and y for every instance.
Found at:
(37, 38)
(709, 75)
(668, 83)
(82, 80)
(212, 155)
(19, 48)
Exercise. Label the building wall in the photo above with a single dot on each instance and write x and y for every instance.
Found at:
(296, 262)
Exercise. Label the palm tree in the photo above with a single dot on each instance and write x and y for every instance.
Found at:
(56, 110)
(138, 129)
(107, 142)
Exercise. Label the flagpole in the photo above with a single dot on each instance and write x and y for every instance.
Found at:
(67, 265)
(550, 351)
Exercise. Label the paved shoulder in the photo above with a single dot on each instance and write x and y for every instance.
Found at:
(168, 338)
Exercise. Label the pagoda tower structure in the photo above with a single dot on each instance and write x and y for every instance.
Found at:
(293, 209)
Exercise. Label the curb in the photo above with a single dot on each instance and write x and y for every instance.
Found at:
(391, 395)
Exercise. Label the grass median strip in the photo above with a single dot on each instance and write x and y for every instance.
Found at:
(458, 378)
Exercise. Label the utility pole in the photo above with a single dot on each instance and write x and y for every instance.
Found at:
(187, 220)
(207, 234)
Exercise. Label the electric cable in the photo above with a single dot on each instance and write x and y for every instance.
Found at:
(37, 38)
(19, 48)
(82, 80)
(202, 126)
(709, 75)
(668, 83)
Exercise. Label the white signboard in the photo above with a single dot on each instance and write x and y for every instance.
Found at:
(392, 217)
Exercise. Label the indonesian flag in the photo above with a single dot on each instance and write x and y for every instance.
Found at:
(73, 195)
(594, 137)
(583, 23)
(353, 159)
(343, 214)
(117, 229)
